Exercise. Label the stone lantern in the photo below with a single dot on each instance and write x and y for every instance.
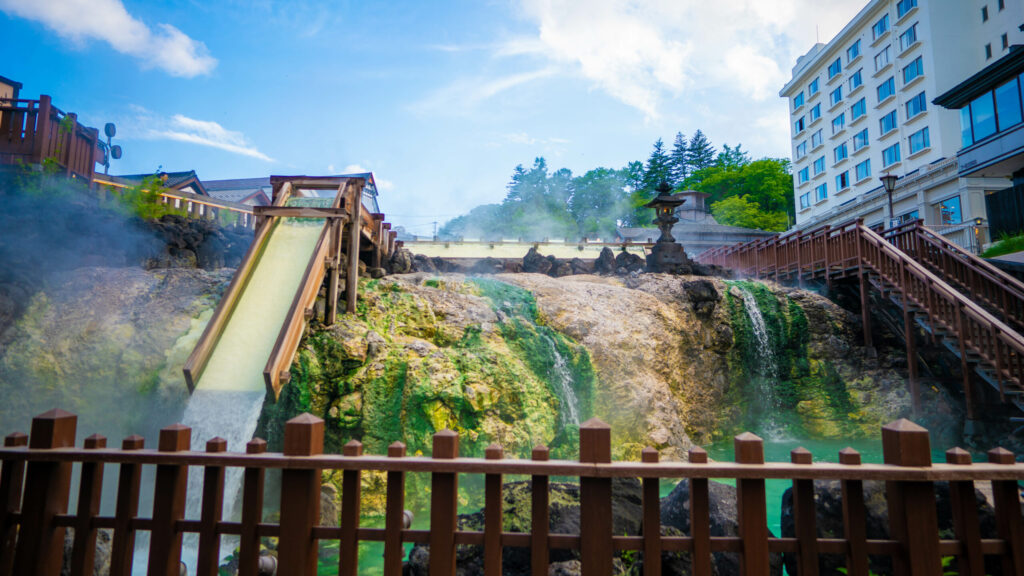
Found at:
(667, 255)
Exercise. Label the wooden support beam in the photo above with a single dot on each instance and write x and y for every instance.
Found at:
(300, 212)
(354, 203)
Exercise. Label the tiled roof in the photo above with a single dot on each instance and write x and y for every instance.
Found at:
(174, 179)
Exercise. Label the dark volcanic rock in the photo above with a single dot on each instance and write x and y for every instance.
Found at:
(703, 295)
(533, 262)
(605, 263)
(401, 261)
(631, 262)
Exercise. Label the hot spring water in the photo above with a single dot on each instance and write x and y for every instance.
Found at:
(767, 369)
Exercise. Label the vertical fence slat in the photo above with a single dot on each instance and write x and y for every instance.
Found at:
(804, 518)
(252, 512)
(913, 519)
(539, 517)
(651, 516)
(595, 501)
(493, 515)
(394, 515)
(127, 506)
(348, 549)
(41, 544)
(965, 518)
(700, 516)
(753, 511)
(169, 504)
(443, 506)
(300, 496)
(12, 479)
(212, 511)
(1009, 525)
(83, 551)
(854, 518)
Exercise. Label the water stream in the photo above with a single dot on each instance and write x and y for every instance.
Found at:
(767, 374)
(563, 379)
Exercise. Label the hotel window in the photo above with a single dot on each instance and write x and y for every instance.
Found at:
(919, 141)
(798, 101)
(853, 51)
(839, 123)
(949, 211)
(801, 150)
(815, 112)
(839, 152)
(984, 13)
(1008, 106)
(891, 155)
(812, 88)
(843, 181)
(883, 58)
(988, 51)
(880, 27)
(855, 80)
(821, 192)
(863, 170)
(908, 38)
(834, 68)
(1002, 4)
(819, 165)
(799, 125)
(916, 105)
(836, 96)
(886, 89)
(1006, 41)
(909, 216)
(904, 6)
(887, 123)
(858, 109)
(805, 200)
(913, 70)
(816, 139)
(803, 175)
(860, 139)
(983, 116)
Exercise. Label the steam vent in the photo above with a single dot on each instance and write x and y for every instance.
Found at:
(667, 255)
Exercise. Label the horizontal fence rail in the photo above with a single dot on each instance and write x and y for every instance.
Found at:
(32, 131)
(35, 485)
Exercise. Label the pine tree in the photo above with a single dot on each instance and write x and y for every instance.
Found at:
(658, 168)
(679, 159)
(700, 153)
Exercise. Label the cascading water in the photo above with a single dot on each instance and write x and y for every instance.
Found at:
(767, 368)
(563, 378)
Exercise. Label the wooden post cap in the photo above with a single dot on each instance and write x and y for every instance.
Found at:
(595, 442)
(216, 444)
(494, 452)
(649, 455)
(95, 442)
(446, 444)
(352, 448)
(304, 436)
(1000, 456)
(958, 456)
(175, 438)
(849, 456)
(16, 439)
(801, 455)
(906, 444)
(698, 455)
(133, 442)
(540, 453)
(256, 446)
(396, 450)
(53, 429)
(749, 448)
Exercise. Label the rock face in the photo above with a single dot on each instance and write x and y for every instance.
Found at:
(194, 243)
(101, 559)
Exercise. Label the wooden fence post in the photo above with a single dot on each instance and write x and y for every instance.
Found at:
(128, 479)
(539, 516)
(1006, 494)
(854, 517)
(700, 516)
(40, 542)
(444, 489)
(595, 501)
(212, 511)
(300, 496)
(394, 515)
(252, 512)
(805, 518)
(911, 504)
(41, 132)
(651, 516)
(169, 504)
(83, 552)
(493, 515)
(965, 517)
(752, 508)
(12, 478)
(348, 548)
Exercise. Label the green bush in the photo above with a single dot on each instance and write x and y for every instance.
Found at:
(1005, 245)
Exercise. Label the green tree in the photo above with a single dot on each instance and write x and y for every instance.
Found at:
(732, 157)
(739, 211)
(599, 201)
(679, 160)
(700, 153)
(659, 167)
(765, 183)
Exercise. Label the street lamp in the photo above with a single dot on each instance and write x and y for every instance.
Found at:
(889, 181)
(109, 151)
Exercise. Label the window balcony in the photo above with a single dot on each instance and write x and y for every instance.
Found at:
(919, 153)
(882, 70)
(907, 16)
(885, 101)
(881, 37)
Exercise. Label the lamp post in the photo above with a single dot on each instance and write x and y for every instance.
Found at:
(667, 255)
(109, 151)
(889, 181)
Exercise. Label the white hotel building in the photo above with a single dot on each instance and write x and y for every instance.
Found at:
(861, 106)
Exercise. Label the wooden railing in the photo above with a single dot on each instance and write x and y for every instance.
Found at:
(32, 131)
(35, 485)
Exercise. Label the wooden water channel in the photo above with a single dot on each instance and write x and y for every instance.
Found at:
(35, 484)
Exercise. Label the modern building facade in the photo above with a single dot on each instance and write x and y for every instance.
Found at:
(861, 106)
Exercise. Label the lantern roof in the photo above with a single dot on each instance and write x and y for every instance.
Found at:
(665, 197)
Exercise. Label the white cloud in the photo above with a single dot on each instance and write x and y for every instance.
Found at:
(466, 94)
(147, 125)
(382, 184)
(164, 47)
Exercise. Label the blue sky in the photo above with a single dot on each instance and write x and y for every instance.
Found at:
(439, 100)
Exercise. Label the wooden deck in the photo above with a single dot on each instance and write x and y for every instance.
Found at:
(34, 131)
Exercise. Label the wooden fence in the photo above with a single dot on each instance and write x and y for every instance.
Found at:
(33, 130)
(33, 520)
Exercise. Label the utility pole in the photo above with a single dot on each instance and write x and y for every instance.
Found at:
(435, 229)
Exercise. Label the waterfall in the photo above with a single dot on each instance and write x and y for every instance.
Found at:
(767, 368)
(563, 379)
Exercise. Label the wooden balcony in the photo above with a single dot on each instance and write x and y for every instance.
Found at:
(35, 133)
